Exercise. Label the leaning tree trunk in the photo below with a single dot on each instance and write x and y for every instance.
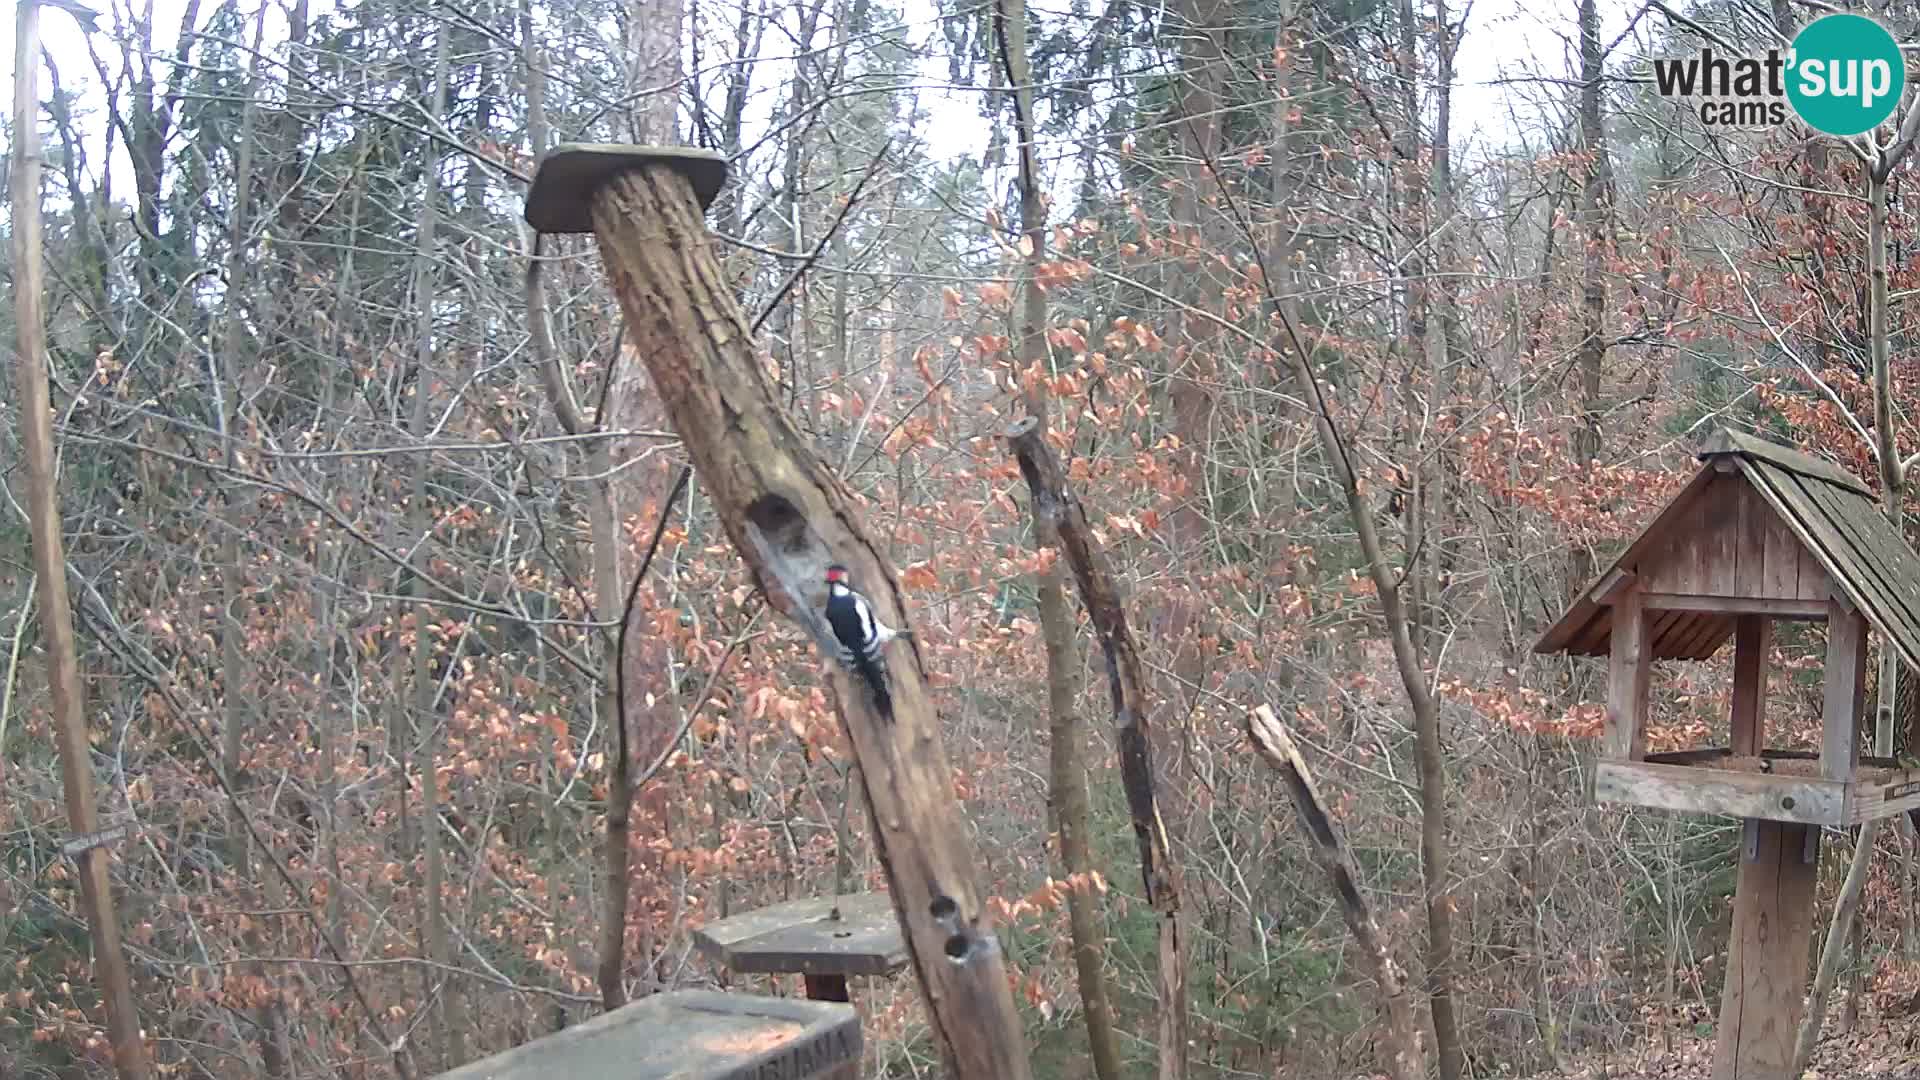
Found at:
(790, 517)
(50, 560)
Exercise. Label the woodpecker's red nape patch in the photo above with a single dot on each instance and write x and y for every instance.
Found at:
(836, 573)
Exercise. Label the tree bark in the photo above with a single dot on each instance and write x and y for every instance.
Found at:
(1056, 505)
(1404, 1059)
(1592, 348)
(50, 557)
(790, 517)
(1067, 766)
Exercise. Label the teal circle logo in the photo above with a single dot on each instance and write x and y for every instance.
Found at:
(1847, 74)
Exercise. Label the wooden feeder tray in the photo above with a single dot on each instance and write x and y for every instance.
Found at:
(801, 937)
(1775, 785)
(690, 1035)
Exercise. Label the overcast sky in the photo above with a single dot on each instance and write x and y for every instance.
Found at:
(1504, 39)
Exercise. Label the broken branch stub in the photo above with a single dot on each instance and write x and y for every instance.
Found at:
(791, 517)
(1065, 523)
(1271, 740)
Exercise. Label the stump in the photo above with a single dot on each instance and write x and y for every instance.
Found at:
(691, 1035)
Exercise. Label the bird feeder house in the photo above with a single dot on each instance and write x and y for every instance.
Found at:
(691, 1035)
(823, 940)
(1762, 533)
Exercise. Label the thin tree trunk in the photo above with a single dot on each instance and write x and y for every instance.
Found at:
(1834, 948)
(1429, 755)
(1592, 349)
(236, 692)
(1068, 778)
(49, 553)
(449, 1000)
(1892, 477)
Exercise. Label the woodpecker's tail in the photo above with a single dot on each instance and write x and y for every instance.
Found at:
(874, 673)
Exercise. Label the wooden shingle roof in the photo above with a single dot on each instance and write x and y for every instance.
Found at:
(1830, 515)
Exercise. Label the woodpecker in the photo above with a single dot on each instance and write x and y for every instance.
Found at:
(861, 636)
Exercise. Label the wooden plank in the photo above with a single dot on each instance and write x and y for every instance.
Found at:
(1785, 553)
(1702, 789)
(1884, 797)
(1735, 442)
(802, 937)
(1683, 564)
(1753, 637)
(1751, 531)
(1760, 1005)
(1591, 640)
(1611, 584)
(1629, 666)
(1720, 632)
(689, 1035)
(1886, 551)
(1808, 522)
(1719, 539)
(1846, 673)
(1778, 607)
(1689, 757)
(1699, 638)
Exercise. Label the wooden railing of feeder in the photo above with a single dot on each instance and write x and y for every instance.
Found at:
(824, 940)
(1762, 533)
(790, 517)
(691, 1035)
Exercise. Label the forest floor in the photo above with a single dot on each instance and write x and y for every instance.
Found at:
(1884, 1045)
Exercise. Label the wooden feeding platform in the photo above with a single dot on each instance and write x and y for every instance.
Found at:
(691, 1035)
(823, 939)
(1778, 785)
(1761, 533)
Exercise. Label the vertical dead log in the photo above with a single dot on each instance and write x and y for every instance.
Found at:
(790, 517)
(1270, 738)
(1055, 504)
(49, 551)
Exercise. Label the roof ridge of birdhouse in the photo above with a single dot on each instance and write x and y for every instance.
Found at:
(1729, 441)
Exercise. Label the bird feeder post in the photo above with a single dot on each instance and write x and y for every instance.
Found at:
(791, 517)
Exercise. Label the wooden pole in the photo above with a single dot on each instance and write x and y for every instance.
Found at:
(790, 517)
(1760, 1007)
(50, 557)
